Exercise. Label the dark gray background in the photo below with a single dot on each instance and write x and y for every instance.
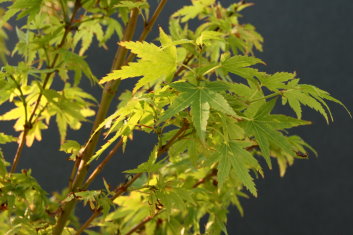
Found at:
(313, 38)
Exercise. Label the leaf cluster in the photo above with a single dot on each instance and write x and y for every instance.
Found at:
(200, 93)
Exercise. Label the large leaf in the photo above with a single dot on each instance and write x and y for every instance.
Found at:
(200, 99)
(264, 127)
(156, 63)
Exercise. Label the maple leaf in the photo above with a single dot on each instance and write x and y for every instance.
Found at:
(156, 63)
(200, 99)
(239, 65)
(233, 157)
(189, 12)
(264, 127)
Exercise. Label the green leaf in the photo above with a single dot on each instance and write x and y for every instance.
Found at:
(234, 157)
(276, 81)
(200, 99)
(85, 33)
(156, 63)
(209, 35)
(239, 65)
(238, 161)
(224, 165)
(62, 126)
(28, 7)
(190, 12)
(296, 98)
(76, 63)
(233, 64)
(70, 146)
(132, 4)
(265, 128)
(3, 164)
(4, 139)
(264, 135)
(219, 103)
(150, 166)
(280, 122)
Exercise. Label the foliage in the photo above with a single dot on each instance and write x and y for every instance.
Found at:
(200, 92)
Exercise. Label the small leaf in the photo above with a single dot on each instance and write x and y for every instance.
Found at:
(238, 160)
(224, 166)
(4, 139)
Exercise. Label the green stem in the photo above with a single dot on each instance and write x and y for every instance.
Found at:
(63, 8)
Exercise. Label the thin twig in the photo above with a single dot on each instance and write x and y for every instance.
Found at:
(100, 167)
(182, 68)
(16, 159)
(165, 148)
(123, 188)
(143, 222)
(88, 222)
(206, 178)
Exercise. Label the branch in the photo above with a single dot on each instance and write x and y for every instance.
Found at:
(100, 167)
(111, 87)
(123, 188)
(182, 68)
(19, 148)
(29, 122)
(206, 178)
(88, 222)
(107, 97)
(143, 222)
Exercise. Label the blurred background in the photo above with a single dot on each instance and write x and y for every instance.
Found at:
(313, 38)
